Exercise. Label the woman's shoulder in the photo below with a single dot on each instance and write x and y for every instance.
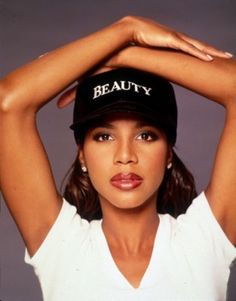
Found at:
(198, 229)
(68, 229)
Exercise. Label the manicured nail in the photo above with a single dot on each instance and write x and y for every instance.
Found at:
(209, 57)
(229, 54)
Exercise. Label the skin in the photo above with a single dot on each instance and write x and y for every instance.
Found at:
(123, 146)
(218, 83)
(21, 96)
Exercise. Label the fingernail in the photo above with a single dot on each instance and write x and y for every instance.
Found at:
(229, 54)
(209, 57)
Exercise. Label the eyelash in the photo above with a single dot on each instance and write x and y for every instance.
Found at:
(102, 137)
(150, 136)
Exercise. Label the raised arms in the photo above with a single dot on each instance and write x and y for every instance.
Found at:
(25, 175)
(215, 80)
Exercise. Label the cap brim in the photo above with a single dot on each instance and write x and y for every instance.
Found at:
(121, 107)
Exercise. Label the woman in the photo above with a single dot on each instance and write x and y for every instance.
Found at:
(133, 253)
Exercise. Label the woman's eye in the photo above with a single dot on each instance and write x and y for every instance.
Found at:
(102, 137)
(147, 136)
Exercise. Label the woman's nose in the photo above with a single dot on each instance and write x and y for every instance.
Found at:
(125, 153)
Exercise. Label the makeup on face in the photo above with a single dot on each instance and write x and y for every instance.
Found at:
(126, 181)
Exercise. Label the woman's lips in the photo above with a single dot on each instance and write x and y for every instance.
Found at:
(126, 181)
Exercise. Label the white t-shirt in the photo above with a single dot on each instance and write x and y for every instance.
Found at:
(190, 260)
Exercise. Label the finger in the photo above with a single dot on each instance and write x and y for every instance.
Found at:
(205, 47)
(66, 98)
(181, 44)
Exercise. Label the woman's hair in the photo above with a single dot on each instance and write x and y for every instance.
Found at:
(177, 189)
(175, 193)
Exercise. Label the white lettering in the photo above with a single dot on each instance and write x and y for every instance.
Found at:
(147, 90)
(136, 87)
(97, 92)
(105, 89)
(122, 85)
(115, 87)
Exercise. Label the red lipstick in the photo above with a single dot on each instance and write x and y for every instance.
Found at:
(126, 181)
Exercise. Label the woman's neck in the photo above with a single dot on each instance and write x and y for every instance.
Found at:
(130, 230)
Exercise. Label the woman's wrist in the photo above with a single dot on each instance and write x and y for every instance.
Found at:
(123, 58)
(126, 26)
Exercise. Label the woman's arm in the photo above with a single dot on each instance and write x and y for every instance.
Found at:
(26, 178)
(25, 175)
(215, 80)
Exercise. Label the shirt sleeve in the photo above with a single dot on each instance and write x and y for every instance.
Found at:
(203, 231)
(68, 227)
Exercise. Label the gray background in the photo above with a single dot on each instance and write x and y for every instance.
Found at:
(30, 28)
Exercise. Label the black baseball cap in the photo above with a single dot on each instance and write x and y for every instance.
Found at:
(129, 91)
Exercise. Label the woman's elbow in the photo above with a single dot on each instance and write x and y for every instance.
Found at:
(4, 98)
(9, 98)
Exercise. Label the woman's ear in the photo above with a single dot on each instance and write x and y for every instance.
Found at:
(169, 158)
(82, 161)
(81, 157)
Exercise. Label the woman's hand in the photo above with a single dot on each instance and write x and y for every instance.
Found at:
(151, 34)
(66, 98)
(147, 33)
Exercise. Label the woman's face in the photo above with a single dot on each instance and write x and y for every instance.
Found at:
(126, 161)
